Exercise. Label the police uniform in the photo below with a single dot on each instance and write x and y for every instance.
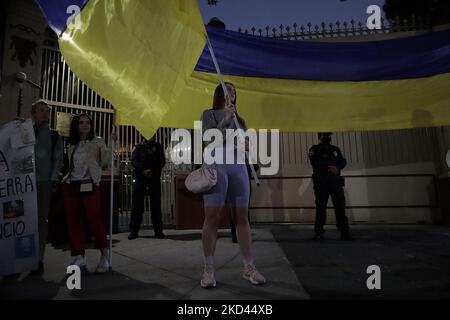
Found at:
(326, 184)
(147, 155)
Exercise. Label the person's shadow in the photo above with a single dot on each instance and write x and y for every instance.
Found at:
(111, 286)
(348, 208)
(424, 119)
(29, 288)
(116, 286)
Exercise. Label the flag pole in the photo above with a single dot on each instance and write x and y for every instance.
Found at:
(111, 200)
(225, 90)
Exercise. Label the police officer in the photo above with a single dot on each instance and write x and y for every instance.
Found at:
(148, 160)
(327, 162)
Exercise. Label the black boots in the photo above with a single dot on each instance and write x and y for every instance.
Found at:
(133, 235)
(160, 235)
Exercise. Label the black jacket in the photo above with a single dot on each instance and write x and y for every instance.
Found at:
(322, 156)
(148, 155)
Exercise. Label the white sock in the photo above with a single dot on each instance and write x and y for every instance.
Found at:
(248, 261)
(209, 261)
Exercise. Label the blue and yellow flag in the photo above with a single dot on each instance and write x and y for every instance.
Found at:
(143, 56)
(137, 54)
(319, 86)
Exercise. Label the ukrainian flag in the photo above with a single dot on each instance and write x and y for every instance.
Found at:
(319, 86)
(143, 56)
(138, 54)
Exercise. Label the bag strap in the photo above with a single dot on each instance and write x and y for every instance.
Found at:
(72, 165)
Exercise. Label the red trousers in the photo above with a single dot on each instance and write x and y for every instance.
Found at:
(74, 207)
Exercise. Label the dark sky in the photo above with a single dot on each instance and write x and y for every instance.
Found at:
(260, 13)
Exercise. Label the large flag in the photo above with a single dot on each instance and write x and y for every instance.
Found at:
(143, 56)
(137, 54)
(319, 86)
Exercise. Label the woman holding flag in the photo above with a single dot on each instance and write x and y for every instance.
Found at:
(232, 185)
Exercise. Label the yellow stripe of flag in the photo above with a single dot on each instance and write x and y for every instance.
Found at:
(138, 54)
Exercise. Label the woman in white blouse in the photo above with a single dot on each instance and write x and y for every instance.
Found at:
(88, 155)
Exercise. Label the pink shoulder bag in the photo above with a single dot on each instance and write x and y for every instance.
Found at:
(201, 180)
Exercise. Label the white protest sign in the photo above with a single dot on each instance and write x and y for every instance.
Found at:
(19, 241)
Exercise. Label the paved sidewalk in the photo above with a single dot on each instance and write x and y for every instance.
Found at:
(414, 262)
(168, 269)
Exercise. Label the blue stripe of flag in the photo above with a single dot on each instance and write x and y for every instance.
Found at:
(406, 58)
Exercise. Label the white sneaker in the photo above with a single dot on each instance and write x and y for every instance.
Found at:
(103, 265)
(253, 275)
(208, 280)
(79, 261)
